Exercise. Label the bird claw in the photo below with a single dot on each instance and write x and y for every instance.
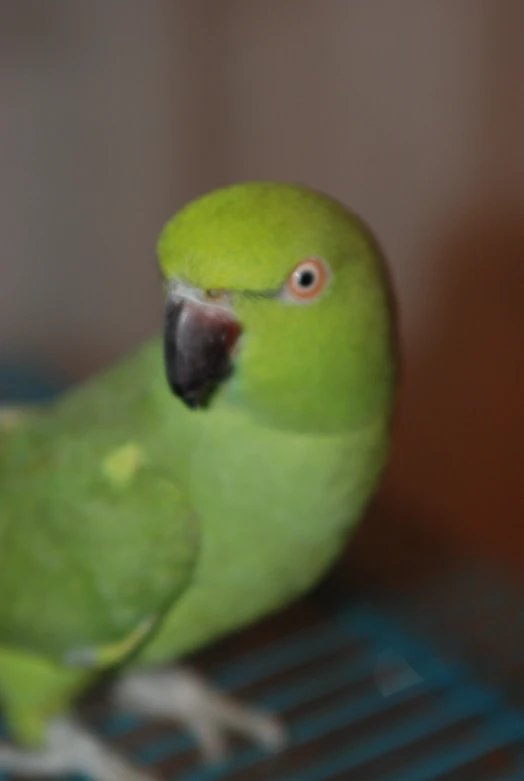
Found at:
(69, 748)
(208, 714)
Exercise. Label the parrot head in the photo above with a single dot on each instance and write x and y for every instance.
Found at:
(277, 301)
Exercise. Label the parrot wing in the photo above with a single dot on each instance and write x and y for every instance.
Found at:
(97, 540)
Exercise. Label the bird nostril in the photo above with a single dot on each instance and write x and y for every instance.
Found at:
(216, 296)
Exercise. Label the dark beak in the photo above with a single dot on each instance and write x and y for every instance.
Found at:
(198, 344)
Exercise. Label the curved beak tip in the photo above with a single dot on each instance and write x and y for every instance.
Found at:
(199, 341)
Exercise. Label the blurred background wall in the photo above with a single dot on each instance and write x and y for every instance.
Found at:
(115, 112)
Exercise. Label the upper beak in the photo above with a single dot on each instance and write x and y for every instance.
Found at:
(199, 338)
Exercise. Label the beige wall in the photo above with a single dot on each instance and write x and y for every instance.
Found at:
(116, 111)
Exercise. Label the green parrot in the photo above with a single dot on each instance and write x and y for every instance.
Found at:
(203, 482)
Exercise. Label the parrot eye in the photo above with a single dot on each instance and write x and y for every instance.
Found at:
(307, 281)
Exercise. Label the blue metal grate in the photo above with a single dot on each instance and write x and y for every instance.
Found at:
(364, 700)
(361, 693)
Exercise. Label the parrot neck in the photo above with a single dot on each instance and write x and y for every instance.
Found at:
(316, 410)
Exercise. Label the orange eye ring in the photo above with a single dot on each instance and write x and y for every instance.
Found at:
(307, 281)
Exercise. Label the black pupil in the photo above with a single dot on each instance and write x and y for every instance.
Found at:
(306, 278)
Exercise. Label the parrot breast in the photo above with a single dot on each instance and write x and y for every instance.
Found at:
(275, 510)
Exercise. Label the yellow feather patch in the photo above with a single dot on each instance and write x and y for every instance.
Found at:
(111, 654)
(108, 655)
(122, 464)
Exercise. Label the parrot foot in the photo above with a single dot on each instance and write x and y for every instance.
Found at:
(69, 749)
(208, 714)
